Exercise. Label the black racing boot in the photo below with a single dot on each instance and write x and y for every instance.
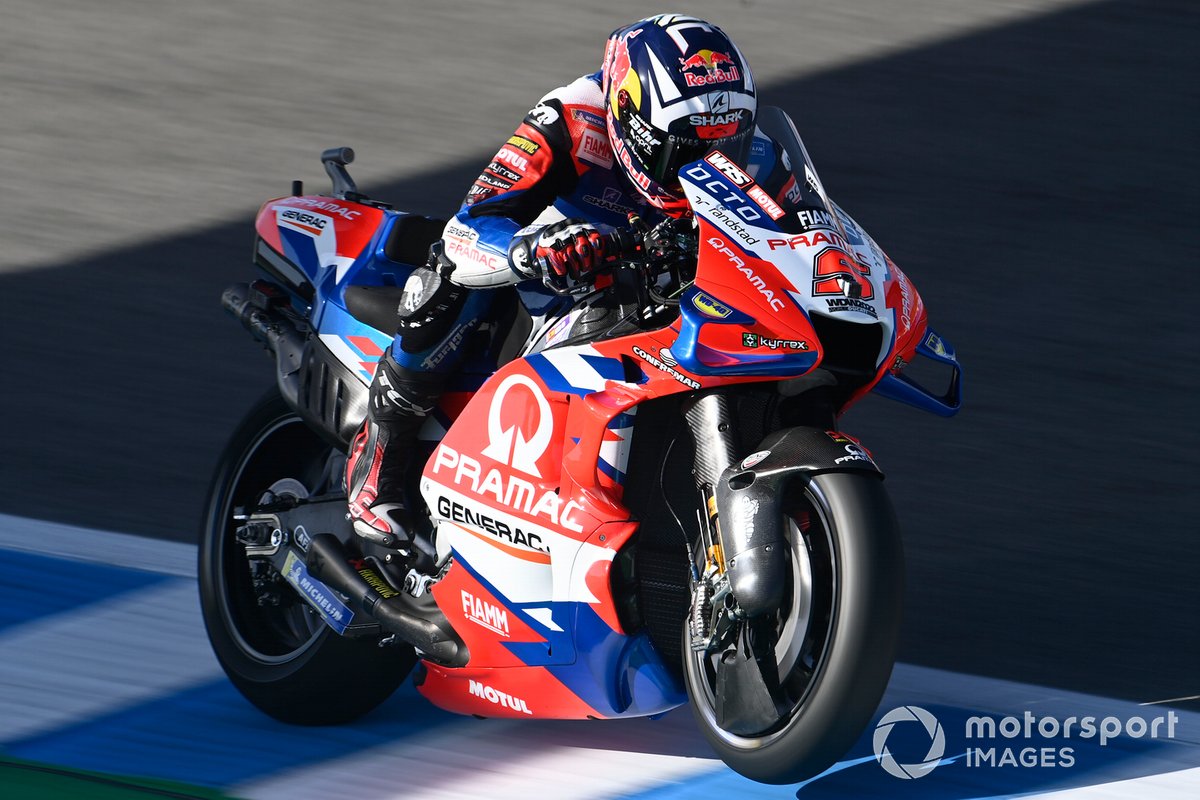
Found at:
(381, 456)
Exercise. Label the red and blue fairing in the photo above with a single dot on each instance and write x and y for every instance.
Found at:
(526, 489)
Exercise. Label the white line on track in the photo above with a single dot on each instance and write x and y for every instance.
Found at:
(1171, 700)
(101, 658)
(149, 643)
(100, 547)
(505, 757)
(1181, 785)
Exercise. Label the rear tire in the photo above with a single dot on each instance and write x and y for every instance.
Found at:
(850, 615)
(282, 658)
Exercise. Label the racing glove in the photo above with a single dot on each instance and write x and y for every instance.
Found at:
(563, 254)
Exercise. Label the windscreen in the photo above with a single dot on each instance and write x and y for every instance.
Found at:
(779, 164)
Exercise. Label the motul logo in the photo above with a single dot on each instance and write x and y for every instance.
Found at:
(499, 698)
(508, 156)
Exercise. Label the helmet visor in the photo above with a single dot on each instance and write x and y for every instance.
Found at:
(678, 152)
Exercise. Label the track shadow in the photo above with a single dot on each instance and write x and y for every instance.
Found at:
(1037, 181)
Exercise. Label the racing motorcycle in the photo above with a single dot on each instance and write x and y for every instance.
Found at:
(637, 493)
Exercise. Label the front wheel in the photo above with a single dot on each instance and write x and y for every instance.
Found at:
(825, 658)
(270, 642)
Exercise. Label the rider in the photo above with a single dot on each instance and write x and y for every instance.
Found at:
(588, 154)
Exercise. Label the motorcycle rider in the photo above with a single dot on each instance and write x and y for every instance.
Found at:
(671, 89)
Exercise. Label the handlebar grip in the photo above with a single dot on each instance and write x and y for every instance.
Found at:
(338, 155)
(622, 243)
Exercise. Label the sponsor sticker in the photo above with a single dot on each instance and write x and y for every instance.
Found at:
(729, 169)
(562, 329)
(485, 614)
(841, 304)
(594, 148)
(305, 222)
(504, 172)
(319, 596)
(587, 117)
(708, 67)
(513, 158)
(757, 340)
(661, 365)
(815, 218)
(496, 697)
(521, 143)
(497, 528)
(934, 343)
(759, 195)
(806, 240)
(710, 307)
(610, 201)
(322, 205)
(853, 453)
(754, 458)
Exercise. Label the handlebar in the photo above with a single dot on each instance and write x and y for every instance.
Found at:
(623, 245)
(652, 251)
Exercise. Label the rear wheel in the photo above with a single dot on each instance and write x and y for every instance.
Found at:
(272, 645)
(821, 664)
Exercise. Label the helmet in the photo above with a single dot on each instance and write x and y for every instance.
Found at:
(675, 88)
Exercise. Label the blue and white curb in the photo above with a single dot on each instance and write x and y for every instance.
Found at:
(104, 665)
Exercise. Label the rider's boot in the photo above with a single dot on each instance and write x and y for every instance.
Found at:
(382, 455)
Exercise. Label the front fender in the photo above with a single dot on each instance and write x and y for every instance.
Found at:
(750, 500)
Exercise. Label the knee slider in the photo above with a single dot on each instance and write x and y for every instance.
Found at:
(429, 308)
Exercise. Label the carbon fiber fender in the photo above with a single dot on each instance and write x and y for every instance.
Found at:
(750, 505)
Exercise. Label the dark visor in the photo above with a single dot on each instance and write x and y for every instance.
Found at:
(676, 153)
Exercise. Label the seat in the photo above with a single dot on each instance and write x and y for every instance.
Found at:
(411, 236)
(408, 243)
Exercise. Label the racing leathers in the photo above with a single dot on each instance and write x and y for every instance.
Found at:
(558, 165)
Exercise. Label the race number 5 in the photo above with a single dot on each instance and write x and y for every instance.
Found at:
(836, 272)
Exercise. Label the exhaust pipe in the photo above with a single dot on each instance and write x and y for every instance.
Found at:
(423, 625)
(326, 394)
(254, 307)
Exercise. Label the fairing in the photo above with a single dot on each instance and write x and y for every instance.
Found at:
(526, 487)
(777, 255)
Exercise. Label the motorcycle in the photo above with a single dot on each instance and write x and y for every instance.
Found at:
(637, 493)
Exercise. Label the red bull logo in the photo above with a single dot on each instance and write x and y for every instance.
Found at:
(622, 79)
(707, 67)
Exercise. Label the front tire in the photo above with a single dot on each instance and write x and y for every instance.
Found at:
(280, 655)
(834, 641)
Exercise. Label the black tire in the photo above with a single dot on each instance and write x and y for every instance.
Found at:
(850, 635)
(283, 659)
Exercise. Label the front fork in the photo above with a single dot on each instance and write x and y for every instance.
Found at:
(711, 424)
(716, 572)
(743, 571)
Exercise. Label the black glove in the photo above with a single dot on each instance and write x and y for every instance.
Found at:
(563, 253)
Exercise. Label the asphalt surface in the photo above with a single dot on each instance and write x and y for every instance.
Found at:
(1036, 178)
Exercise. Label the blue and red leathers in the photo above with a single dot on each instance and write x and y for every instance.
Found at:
(557, 165)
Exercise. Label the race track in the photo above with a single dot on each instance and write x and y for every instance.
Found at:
(150, 703)
(1031, 165)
